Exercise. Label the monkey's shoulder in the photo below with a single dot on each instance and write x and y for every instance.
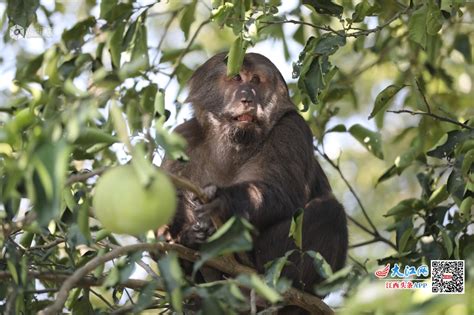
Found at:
(293, 128)
(192, 131)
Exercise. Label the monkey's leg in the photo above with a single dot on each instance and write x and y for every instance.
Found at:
(324, 231)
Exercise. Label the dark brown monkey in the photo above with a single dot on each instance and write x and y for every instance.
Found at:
(254, 154)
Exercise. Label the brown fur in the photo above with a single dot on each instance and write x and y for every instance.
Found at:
(263, 170)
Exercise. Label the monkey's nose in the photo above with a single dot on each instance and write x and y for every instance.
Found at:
(246, 100)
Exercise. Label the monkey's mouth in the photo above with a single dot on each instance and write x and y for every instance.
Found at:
(245, 118)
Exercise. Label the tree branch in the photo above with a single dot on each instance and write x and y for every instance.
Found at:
(186, 50)
(292, 296)
(434, 116)
(375, 232)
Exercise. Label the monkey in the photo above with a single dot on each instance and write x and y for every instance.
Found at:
(253, 152)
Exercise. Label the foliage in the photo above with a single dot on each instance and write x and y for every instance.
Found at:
(59, 130)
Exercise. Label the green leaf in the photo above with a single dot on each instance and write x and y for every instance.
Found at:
(187, 18)
(320, 264)
(115, 39)
(456, 185)
(371, 140)
(383, 97)
(22, 12)
(438, 196)
(235, 57)
(325, 7)
(467, 162)
(448, 243)
(337, 128)
(253, 281)
(406, 158)
(233, 236)
(147, 98)
(106, 6)
(466, 208)
(89, 136)
(406, 207)
(113, 12)
(328, 44)
(159, 103)
(173, 278)
(73, 38)
(49, 166)
(173, 143)
(364, 9)
(146, 297)
(274, 269)
(463, 45)
(402, 243)
(296, 228)
(417, 26)
(434, 20)
(83, 305)
(455, 138)
(140, 45)
(389, 173)
(334, 282)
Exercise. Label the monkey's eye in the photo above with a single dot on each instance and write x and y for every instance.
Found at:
(237, 77)
(255, 79)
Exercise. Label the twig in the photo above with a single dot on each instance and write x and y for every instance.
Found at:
(81, 177)
(13, 227)
(102, 299)
(86, 282)
(47, 245)
(186, 49)
(375, 232)
(374, 240)
(292, 296)
(343, 32)
(322, 28)
(418, 86)
(351, 189)
(434, 116)
(380, 27)
(165, 32)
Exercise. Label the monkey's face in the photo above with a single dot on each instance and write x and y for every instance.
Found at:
(244, 107)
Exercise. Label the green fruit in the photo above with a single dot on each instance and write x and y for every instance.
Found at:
(124, 206)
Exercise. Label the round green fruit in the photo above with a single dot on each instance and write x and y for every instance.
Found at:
(125, 206)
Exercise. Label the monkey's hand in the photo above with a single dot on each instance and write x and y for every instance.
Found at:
(197, 233)
(212, 207)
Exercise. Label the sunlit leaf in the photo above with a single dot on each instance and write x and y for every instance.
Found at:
(371, 140)
(383, 97)
(187, 18)
(235, 57)
(261, 288)
(173, 278)
(320, 264)
(417, 26)
(49, 167)
(296, 228)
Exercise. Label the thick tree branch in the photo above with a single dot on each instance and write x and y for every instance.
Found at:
(80, 276)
